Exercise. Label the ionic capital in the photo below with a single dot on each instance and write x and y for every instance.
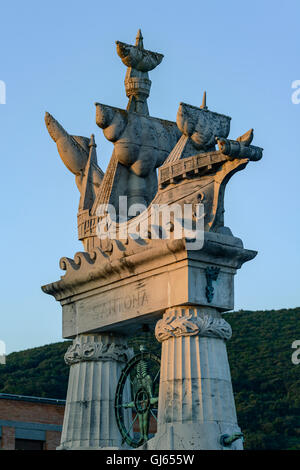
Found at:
(191, 321)
(89, 348)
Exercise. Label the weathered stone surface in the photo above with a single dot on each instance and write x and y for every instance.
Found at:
(138, 62)
(96, 363)
(79, 156)
(190, 321)
(106, 293)
(115, 285)
(196, 404)
(141, 144)
(190, 168)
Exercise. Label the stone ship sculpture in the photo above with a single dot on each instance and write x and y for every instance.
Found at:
(154, 278)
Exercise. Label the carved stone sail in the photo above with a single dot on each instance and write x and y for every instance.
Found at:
(76, 155)
(202, 126)
(141, 144)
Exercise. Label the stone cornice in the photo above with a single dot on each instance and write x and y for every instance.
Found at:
(121, 260)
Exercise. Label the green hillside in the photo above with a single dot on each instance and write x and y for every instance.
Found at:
(265, 381)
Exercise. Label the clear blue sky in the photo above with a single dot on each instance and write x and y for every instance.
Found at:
(60, 56)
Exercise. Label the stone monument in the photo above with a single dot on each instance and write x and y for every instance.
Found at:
(136, 271)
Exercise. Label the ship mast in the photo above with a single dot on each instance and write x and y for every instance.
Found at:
(139, 62)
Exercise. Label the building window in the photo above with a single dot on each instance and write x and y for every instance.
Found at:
(28, 444)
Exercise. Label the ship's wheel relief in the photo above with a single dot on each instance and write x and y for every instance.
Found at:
(137, 417)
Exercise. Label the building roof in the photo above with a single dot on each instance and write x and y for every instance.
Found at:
(42, 400)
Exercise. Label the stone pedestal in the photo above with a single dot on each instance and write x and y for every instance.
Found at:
(196, 403)
(184, 293)
(96, 361)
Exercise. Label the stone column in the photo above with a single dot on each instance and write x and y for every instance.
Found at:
(96, 361)
(196, 403)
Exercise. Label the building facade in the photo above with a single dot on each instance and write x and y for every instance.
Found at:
(30, 423)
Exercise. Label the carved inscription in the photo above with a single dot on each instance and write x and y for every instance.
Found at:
(122, 304)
